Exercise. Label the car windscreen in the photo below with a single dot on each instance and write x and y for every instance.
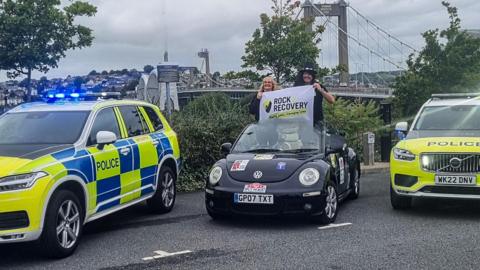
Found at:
(279, 136)
(464, 117)
(47, 127)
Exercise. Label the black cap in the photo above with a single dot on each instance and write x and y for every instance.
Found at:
(310, 68)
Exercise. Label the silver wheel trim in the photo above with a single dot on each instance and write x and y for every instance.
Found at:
(356, 183)
(68, 224)
(168, 190)
(331, 205)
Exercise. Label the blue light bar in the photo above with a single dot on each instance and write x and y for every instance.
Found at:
(75, 95)
(60, 95)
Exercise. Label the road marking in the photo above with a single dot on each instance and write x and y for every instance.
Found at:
(334, 226)
(164, 254)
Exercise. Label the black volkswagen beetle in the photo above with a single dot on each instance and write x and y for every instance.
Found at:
(283, 167)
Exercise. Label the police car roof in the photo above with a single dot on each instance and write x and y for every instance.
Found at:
(73, 105)
(453, 102)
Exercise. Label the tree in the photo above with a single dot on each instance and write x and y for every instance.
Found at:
(93, 73)
(282, 44)
(35, 34)
(449, 62)
(104, 73)
(42, 84)
(77, 82)
(148, 68)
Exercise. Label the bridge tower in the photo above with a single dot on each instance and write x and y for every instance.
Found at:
(206, 56)
(338, 9)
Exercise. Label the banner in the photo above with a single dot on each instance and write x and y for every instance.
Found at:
(296, 102)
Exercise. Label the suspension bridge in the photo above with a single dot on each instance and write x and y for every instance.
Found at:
(369, 56)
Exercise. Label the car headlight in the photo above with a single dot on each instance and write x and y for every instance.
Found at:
(215, 175)
(21, 181)
(402, 154)
(309, 176)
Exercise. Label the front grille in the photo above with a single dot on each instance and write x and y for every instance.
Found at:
(451, 190)
(442, 162)
(13, 220)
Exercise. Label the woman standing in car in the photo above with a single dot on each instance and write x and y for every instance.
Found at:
(268, 84)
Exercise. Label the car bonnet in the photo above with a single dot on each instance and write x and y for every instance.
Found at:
(262, 168)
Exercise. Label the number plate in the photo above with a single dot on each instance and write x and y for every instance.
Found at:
(463, 180)
(253, 198)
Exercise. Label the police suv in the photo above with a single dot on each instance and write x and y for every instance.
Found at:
(440, 155)
(69, 162)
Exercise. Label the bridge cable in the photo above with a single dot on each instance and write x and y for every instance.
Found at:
(382, 30)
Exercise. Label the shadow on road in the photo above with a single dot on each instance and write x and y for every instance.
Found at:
(444, 209)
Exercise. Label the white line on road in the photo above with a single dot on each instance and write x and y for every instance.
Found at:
(334, 226)
(163, 254)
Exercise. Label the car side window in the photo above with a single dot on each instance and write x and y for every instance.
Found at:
(154, 118)
(134, 122)
(104, 121)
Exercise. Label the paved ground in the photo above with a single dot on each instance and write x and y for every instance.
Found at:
(435, 235)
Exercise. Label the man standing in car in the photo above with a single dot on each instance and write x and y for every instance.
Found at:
(306, 76)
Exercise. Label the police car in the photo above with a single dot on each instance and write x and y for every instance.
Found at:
(69, 162)
(439, 156)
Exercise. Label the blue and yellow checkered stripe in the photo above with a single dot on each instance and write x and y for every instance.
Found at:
(133, 178)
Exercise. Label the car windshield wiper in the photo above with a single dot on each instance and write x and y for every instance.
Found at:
(262, 150)
(304, 150)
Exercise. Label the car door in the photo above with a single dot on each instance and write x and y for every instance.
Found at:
(109, 162)
(145, 156)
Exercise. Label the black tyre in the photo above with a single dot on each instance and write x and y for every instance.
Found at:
(63, 225)
(329, 214)
(165, 195)
(399, 202)
(355, 184)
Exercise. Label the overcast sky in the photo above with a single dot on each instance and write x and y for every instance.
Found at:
(130, 34)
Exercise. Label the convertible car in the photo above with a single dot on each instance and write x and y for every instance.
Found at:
(283, 167)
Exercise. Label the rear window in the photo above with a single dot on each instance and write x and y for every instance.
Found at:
(134, 122)
(154, 118)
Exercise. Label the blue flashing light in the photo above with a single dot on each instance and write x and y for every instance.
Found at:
(51, 96)
(75, 95)
(60, 95)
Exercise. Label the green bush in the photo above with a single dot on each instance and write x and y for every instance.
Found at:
(354, 118)
(202, 126)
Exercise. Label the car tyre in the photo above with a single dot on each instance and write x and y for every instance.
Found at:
(164, 198)
(355, 185)
(329, 214)
(399, 202)
(63, 225)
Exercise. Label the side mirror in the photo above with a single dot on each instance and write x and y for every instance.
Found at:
(226, 148)
(105, 138)
(342, 133)
(401, 130)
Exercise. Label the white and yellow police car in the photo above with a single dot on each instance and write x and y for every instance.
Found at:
(66, 163)
(440, 155)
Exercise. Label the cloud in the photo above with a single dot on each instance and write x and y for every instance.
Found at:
(131, 34)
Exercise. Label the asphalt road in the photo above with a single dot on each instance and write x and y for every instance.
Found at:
(436, 234)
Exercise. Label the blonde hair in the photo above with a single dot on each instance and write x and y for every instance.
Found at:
(275, 84)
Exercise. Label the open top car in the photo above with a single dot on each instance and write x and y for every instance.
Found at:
(440, 155)
(283, 167)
